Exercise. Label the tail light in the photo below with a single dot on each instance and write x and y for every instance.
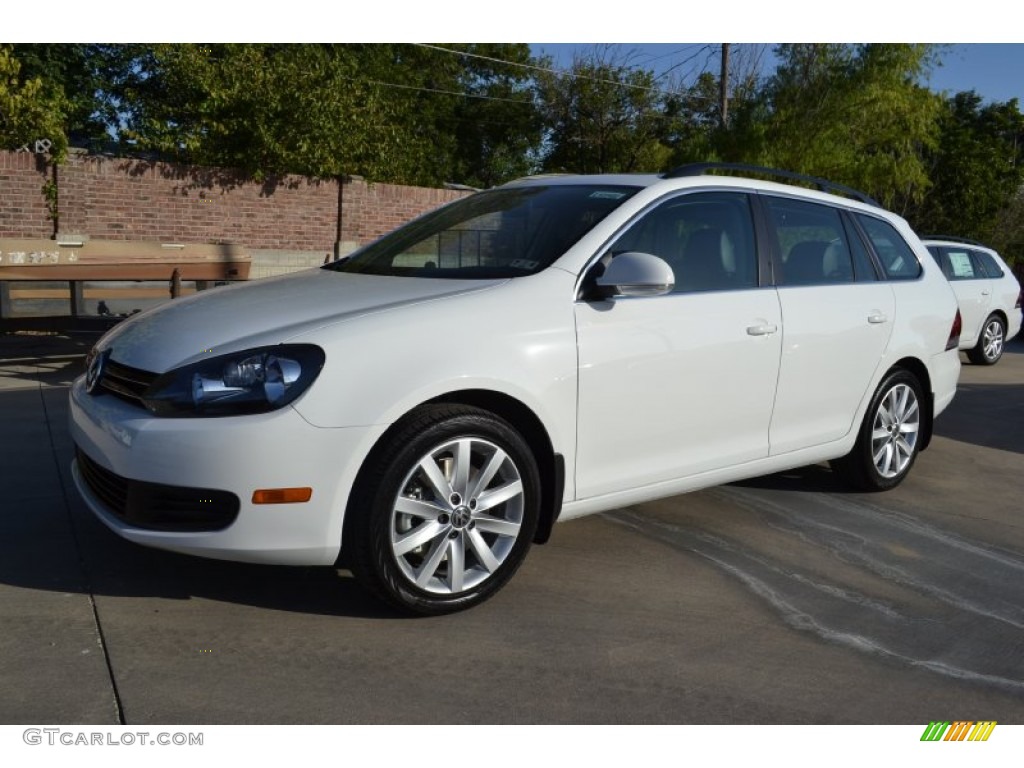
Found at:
(954, 333)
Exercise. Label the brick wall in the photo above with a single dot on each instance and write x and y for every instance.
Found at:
(23, 210)
(124, 199)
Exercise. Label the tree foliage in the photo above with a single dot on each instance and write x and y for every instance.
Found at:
(82, 73)
(498, 129)
(31, 109)
(977, 171)
(602, 116)
(265, 109)
(853, 114)
(399, 113)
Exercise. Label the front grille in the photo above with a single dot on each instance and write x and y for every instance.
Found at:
(157, 507)
(129, 384)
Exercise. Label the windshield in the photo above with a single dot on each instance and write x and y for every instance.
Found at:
(500, 233)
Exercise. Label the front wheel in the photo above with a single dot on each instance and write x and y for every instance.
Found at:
(887, 443)
(445, 512)
(990, 346)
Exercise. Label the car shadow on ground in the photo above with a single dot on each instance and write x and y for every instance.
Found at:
(71, 552)
(1016, 346)
(35, 358)
(818, 478)
(987, 415)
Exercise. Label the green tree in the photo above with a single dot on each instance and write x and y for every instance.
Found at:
(498, 128)
(469, 106)
(603, 116)
(265, 109)
(855, 114)
(977, 171)
(693, 122)
(693, 107)
(399, 113)
(1008, 231)
(30, 109)
(84, 74)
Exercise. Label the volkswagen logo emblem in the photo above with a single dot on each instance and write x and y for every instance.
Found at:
(95, 371)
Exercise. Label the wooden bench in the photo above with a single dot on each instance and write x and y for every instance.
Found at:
(77, 261)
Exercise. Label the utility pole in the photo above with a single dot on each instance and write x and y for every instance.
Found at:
(724, 85)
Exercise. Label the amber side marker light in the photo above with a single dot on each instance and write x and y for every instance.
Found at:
(282, 495)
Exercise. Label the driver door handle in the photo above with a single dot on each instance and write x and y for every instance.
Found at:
(764, 329)
(877, 317)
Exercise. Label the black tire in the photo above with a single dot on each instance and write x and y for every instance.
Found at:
(991, 342)
(890, 435)
(464, 552)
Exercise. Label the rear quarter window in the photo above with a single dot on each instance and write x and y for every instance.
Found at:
(896, 257)
(988, 264)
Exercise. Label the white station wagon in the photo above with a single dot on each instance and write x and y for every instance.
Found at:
(987, 292)
(424, 410)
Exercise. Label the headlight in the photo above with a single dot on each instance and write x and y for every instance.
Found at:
(252, 381)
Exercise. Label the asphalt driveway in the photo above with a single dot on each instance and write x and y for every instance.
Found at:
(784, 599)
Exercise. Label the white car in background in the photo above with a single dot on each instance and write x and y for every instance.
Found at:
(426, 409)
(987, 292)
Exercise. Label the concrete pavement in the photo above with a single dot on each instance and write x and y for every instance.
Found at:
(781, 600)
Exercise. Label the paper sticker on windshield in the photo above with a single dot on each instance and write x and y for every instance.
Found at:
(523, 264)
(606, 195)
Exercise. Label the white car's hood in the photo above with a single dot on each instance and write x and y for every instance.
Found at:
(268, 311)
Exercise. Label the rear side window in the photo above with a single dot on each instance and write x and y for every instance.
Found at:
(988, 264)
(812, 243)
(958, 265)
(895, 256)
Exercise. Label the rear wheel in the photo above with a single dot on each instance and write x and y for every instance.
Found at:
(887, 443)
(990, 345)
(446, 511)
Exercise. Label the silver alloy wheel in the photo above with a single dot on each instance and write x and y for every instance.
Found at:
(895, 430)
(457, 516)
(992, 340)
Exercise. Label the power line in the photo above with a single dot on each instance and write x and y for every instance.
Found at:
(708, 49)
(559, 72)
(441, 91)
(649, 59)
(702, 49)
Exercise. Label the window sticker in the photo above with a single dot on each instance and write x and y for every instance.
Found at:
(960, 262)
(606, 195)
(523, 264)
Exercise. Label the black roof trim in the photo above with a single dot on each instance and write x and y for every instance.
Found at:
(699, 169)
(954, 239)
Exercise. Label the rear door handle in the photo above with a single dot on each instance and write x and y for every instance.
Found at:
(877, 317)
(985, 293)
(765, 329)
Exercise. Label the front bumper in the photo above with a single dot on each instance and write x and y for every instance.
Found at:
(231, 455)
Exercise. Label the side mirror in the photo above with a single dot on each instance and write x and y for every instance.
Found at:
(637, 274)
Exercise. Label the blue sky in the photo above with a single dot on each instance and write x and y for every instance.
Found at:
(995, 71)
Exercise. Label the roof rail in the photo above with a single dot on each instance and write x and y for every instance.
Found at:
(699, 169)
(954, 239)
